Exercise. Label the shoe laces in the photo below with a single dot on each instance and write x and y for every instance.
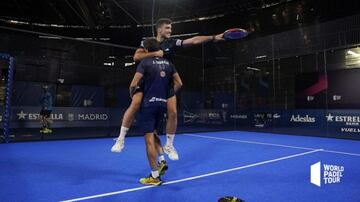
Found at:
(118, 140)
(172, 149)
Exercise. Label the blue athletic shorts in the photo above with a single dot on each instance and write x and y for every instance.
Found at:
(151, 118)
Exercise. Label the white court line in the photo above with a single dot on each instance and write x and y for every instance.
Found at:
(340, 152)
(252, 142)
(195, 177)
(271, 144)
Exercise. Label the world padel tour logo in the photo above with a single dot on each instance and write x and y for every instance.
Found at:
(324, 174)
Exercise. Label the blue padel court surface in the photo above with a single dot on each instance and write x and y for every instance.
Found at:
(251, 166)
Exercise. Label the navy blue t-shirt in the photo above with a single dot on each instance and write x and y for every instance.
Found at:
(169, 46)
(157, 77)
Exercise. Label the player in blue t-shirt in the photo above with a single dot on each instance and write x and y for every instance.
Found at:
(168, 47)
(157, 76)
(46, 109)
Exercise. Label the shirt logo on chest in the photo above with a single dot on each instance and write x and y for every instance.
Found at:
(162, 74)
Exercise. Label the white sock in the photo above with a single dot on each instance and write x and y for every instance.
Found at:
(155, 174)
(170, 139)
(161, 158)
(123, 132)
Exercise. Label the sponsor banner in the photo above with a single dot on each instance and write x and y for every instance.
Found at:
(263, 119)
(212, 117)
(241, 118)
(272, 119)
(29, 117)
(256, 118)
(343, 123)
(304, 118)
(277, 118)
(332, 123)
(253, 118)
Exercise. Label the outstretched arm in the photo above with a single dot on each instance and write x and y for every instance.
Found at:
(202, 39)
(140, 54)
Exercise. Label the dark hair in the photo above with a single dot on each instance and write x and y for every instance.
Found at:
(161, 22)
(151, 44)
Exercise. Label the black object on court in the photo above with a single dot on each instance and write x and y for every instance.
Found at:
(230, 199)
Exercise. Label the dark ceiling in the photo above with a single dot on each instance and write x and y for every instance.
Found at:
(121, 12)
(124, 18)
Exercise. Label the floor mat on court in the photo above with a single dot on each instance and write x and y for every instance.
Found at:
(251, 166)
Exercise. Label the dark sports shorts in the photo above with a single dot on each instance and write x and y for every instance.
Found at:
(151, 118)
(138, 88)
(171, 92)
(46, 113)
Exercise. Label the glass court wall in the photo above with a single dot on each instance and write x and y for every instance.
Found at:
(302, 81)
